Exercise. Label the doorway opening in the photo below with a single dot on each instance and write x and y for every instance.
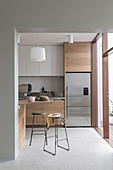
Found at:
(52, 72)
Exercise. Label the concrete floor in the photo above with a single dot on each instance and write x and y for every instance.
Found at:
(88, 152)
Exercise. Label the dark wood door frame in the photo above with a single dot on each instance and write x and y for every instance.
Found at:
(98, 36)
(105, 87)
(94, 86)
(94, 82)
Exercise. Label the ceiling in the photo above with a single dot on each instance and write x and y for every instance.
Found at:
(45, 39)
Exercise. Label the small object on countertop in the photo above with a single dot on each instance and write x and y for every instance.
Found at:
(37, 98)
(25, 88)
(43, 89)
(44, 98)
(31, 99)
(53, 93)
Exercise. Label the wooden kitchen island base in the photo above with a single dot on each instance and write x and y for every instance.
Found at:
(56, 106)
(26, 110)
(21, 125)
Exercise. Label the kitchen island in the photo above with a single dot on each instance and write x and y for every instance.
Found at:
(26, 109)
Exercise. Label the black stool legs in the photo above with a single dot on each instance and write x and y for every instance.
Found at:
(45, 129)
(32, 130)
(68, 148)
(57, 139)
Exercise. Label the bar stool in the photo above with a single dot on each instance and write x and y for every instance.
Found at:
(32, 130)
(56, 136)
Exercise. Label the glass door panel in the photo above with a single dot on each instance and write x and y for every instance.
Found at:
(110, 71)
(110, 59)
(100, 84)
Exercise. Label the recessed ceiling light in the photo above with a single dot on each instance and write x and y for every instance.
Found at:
(71, 39)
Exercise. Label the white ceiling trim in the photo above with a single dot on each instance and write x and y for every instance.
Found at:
(47, 39)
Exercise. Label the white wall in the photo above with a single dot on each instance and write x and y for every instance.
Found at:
(51, 15)
(15, 92)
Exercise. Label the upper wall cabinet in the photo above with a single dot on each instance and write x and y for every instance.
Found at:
(26, 66)
(77, 57)
(45, 66)
(57, 59)
(33, 67)
(53, 66)
(22, 60)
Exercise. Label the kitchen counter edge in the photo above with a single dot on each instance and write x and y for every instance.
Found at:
(27, 102)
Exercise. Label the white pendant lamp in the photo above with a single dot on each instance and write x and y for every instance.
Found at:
(37, 53)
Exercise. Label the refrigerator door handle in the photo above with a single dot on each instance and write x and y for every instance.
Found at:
(67, 101)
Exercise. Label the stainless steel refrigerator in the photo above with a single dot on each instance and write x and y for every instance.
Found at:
(78, 99)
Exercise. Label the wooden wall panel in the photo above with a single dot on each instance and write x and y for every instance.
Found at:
(105, 88)
(77, 57)
(34, 107)
(57, 106)
(94, 86)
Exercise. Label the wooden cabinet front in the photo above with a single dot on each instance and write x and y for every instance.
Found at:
(22, 125)
(77, 57)
(48, 108)
(34, 108)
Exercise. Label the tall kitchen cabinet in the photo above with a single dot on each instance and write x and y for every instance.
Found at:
(78, 57)
(53, 66)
